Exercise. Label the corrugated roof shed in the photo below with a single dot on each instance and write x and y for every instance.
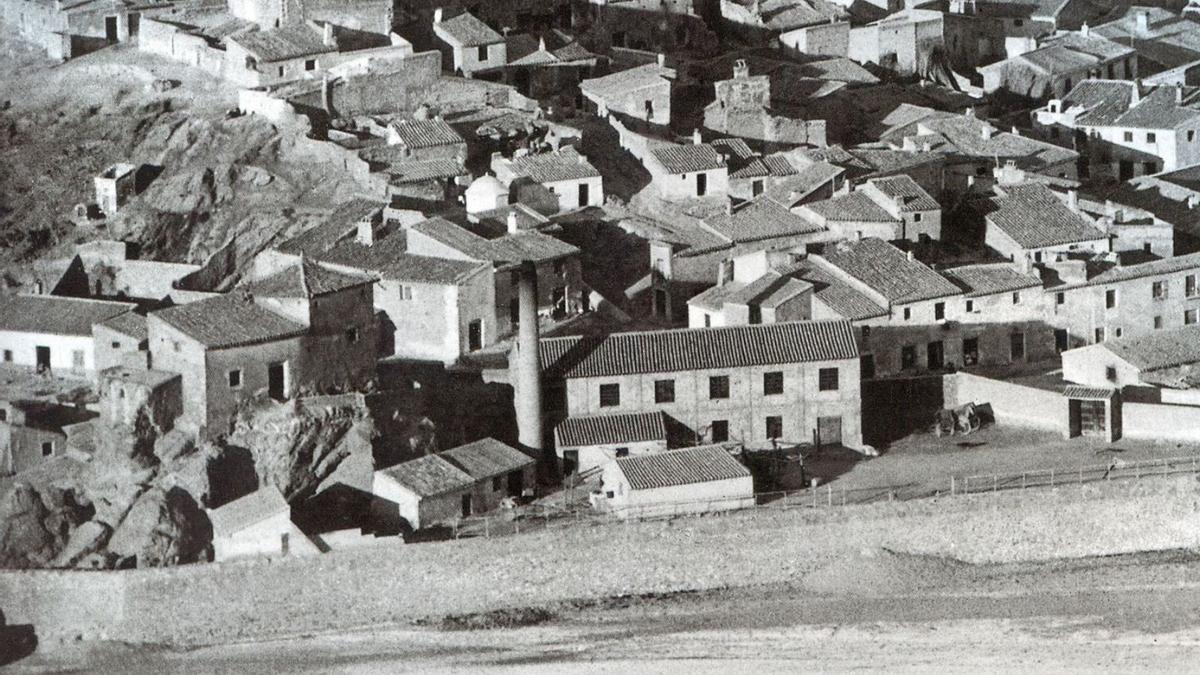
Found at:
(688, 466)
(697, 349)
(1159, 349)
(239, 514)
(688, 158)
(548, 167)
(980, 280)
(605, 429)
(429, 476)
(889, 271)
(486, 458)
(469, 31)
(428, 133)
(1032, 216)
(56, 315)
(230, 320)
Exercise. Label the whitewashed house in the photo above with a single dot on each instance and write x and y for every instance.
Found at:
(566, 173)
(589, 441)
(473, 45)
(703, 479)
(53, 333)
(679, 172)
(259, 524)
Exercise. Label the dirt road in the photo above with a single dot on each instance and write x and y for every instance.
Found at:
(1124, 613)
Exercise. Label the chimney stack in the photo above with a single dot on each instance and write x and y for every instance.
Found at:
(437, 16)
(1084, 30)
(1143, 21)
(1073, 200)
(327, 36)
(541, 44)
(696, 139)
(662, 60)
(528, 382)
(911, 256)
(740, 69)
(512, 222)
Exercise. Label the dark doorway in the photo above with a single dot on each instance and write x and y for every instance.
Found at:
(570, 461)
(583, 194)
(970, 351)
(1060, 340)
(559, 298)
(829, 430)
(135, 23)
(43, 358)
(867, 366)
(466, 506)
(475, 335)
(701, 184)
(277, 381)
(935, 355)
(110, 28)
(1124, 170)
(516, 483)
(1088, 418)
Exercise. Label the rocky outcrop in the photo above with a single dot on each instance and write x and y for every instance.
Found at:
(163, 527)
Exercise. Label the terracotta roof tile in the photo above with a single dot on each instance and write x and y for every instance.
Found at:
(888, 270)
(688, 466)
(239, 514)
(1034, 217)
(469, 31)
(427, 133)
(548, 167)
(688, 158)
(910, 195)
(487, 458)
(306, 280)
(429, 476)
(1159, 349)
(230, 320)
(697, 349)
(604, 429)
(56, 315)
(981, 280)
(761, 218)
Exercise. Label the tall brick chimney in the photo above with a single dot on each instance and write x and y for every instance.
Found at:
(527, 387)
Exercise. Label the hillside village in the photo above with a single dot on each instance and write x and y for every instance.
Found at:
(468, 266)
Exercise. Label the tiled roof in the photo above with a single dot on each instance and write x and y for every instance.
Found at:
(389, 259)
(910, 195)
(689, 466)
(427, 133)
(524, 246)
(782, 15)
(1104, 100)
(1160, 110)
(836, 294)
(427, 169)
(688, 158)
(1190, 261)
(854, 206)
(698, 349)
(761, 218)
(548, 167)
(603, 429)
(621, 83)
(792, 189)
(889, 271)
(281, 44)
(306, 280)
(1159, 349)
(964, 135)
(1088, 393)
(342, 222)
(769, 290)
(429, 476)
(55, 315)
(487, 458)
(128, 323)
(239, 514)
(469, 31)
(733, 147)
(981, 280)
(1034, 217)
(229, 320)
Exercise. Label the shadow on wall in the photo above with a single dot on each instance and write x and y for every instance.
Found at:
(895, 408)
(16, 642)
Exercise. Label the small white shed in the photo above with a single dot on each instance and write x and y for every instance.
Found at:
(703, 479)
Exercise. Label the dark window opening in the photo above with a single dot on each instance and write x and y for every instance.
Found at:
(610, 395)
(664, 391)
(827, 379)
(772, 383)
(718, 387)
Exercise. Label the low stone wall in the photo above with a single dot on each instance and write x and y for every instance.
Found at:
(1012, 404)
(1175, 423)
(205, 604)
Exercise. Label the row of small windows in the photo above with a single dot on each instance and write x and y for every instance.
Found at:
(718, 387)
(1151, 137)
(1159, 290)
(1190, 317)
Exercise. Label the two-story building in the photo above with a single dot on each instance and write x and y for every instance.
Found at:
(891, 208)
(1126, 129)
(302, 330)
(1031, 222)
(784, 382)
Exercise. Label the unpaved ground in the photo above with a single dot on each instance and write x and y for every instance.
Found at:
(1135, 613)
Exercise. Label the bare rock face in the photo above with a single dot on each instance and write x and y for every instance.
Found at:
(164, 527)
(85, 541)
(24, 539)
(296, 447)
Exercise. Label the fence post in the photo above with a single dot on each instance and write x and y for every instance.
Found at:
(1022, 481)
(829, 492)
(995, 483)
(517, 523)
(487, 530)
(951, 485)
(456, 529)
(1081, 475)
(1051, 477)
(843, 496)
